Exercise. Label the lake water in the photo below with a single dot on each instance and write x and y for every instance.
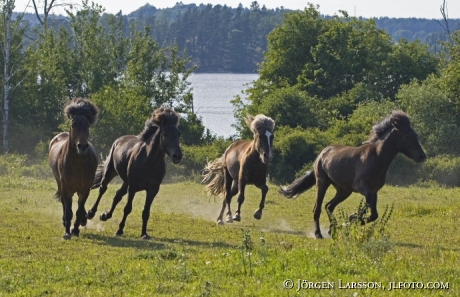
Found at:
(212, 93)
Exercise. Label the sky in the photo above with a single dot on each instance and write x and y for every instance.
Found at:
(359, 8)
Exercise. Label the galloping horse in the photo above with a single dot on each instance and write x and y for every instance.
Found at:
(243, 163)
(140, 163)
(73, 161)
(360, 169)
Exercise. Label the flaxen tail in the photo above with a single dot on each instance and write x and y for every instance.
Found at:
(216, 185)
(300, 185)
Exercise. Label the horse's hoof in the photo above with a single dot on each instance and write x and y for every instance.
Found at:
(229, 220)
(75, 232)
(146, 237)
(104, 217)
(83, 222)
(318, 235)
(237, 217)
(67, 236)
(90, 215)
(220, 222)
(258, 215)
(119, 233)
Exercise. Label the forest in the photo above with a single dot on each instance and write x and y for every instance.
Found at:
(322, 79)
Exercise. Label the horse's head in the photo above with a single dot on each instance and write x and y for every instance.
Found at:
(407, 141)
(168, 121)
(82, 114)
(262, 127)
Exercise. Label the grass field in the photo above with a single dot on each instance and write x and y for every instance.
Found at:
(190, 256)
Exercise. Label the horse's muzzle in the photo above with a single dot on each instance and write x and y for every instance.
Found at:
(176, 157)
(82, 148)
(421, 158)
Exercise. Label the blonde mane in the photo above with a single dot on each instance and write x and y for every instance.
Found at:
(260, 121)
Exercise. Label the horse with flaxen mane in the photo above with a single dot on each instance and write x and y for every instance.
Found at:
(140, 163)
(243, 163)
(360, 169)
(73, 160)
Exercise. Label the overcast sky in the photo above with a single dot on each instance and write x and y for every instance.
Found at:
(365, 8)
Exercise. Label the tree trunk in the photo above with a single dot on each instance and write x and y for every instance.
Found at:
(6, 73)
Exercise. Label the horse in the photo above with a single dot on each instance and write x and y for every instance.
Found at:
(73, 160)
(140, 163)
(243, 163)
(360, 169)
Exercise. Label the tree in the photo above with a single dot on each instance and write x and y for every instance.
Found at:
(11, 33)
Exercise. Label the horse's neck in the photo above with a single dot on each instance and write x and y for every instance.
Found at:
(386, 151)
(153, 147)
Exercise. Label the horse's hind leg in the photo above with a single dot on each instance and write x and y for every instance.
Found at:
(340, 196)
(321, 186)
(228, 201)
(241, 187)
(106, 178)
(258, 212)
(120, 193)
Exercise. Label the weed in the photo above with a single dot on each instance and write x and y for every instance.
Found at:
(352, 236)
(246, 251)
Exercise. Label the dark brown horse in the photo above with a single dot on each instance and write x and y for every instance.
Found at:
(359, 169)
(243, 163)
(73, 160)
(140, 163)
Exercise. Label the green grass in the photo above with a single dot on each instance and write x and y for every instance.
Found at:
(190, 256)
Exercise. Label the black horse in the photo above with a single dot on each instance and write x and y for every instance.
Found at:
(360, 169)
(140, 163)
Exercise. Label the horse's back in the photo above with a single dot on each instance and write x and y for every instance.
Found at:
(57, 139)
(344, 165)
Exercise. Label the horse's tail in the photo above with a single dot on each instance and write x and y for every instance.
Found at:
(216, 185)
(300, 185)
(98, 177)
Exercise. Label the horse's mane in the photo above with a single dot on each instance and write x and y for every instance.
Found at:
(397, 118)
(81, 107)
(260, 121)
(160, 116)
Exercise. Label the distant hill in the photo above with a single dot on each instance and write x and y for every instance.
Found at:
(225, 39)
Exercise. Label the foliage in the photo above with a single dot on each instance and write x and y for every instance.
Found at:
(434, 115)
(330, 66)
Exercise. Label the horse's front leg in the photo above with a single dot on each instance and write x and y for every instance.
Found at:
(126, 212)
(66, 199)
(80, 219)
(372, 204)
(151, 193)
(258, 212)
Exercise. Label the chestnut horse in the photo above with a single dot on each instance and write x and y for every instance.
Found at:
(73, 161)
(360, 169)
(140, 163)
(243, 163)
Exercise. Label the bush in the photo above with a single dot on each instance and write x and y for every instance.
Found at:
(15, 165)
